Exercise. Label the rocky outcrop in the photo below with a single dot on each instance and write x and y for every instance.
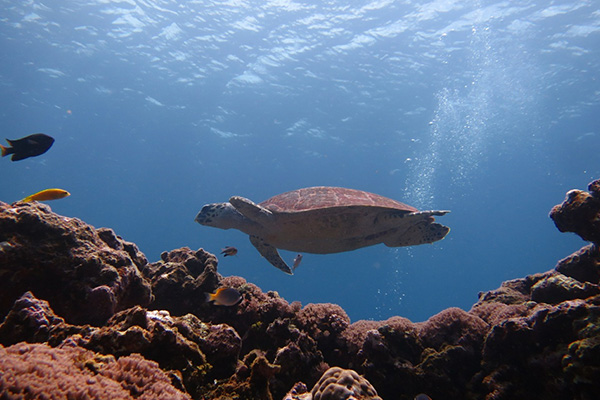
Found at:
(86, 274)
(580, 213)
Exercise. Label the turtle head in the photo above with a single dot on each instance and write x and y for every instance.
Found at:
(220, 215)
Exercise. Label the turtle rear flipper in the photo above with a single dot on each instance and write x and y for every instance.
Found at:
(270, 253)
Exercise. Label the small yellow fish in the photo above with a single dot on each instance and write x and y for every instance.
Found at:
(225, 296)
(229, 251)
(48, 194)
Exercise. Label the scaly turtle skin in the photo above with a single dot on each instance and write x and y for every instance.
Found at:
(324, 220)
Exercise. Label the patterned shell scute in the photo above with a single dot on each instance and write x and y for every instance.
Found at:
(326, 197)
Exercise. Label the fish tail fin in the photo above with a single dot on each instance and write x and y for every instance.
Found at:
(26, 199)
(5, 150)
(208, 297)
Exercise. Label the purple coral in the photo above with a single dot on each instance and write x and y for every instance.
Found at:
(453, 326)
(142, 378)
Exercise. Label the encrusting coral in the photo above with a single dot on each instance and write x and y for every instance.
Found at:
(73, 288)
(40, 371)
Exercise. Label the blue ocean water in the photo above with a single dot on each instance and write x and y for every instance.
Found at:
(485, 108)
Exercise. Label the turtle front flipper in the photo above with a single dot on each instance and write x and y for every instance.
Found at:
(250, 210)
(270, 253)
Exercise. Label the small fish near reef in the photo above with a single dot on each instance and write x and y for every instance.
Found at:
(6, 245)
(29, 146)
(229, 251)
(225, 296)
(422, 396)
(297, 262)
(48, 194)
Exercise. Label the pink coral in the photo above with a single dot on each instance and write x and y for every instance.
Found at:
(142, 378)
(39, 371)
(453, 326)
(324, 322)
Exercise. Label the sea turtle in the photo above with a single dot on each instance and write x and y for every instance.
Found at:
(323, 220)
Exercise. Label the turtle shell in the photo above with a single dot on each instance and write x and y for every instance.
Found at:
(320, 197)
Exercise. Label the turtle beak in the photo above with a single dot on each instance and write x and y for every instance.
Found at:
(200, 218)
(206, 215)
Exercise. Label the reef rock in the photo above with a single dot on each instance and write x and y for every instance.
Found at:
(181, 279)
(30, 320)
(86, 274)
(583, 265)
(580, 213)
(533, 337)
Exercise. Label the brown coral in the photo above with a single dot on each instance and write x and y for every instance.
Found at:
(335, 384)
(342, 384)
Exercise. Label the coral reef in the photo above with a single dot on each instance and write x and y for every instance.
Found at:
(90, 300)
(186, 348)
(35, 371)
